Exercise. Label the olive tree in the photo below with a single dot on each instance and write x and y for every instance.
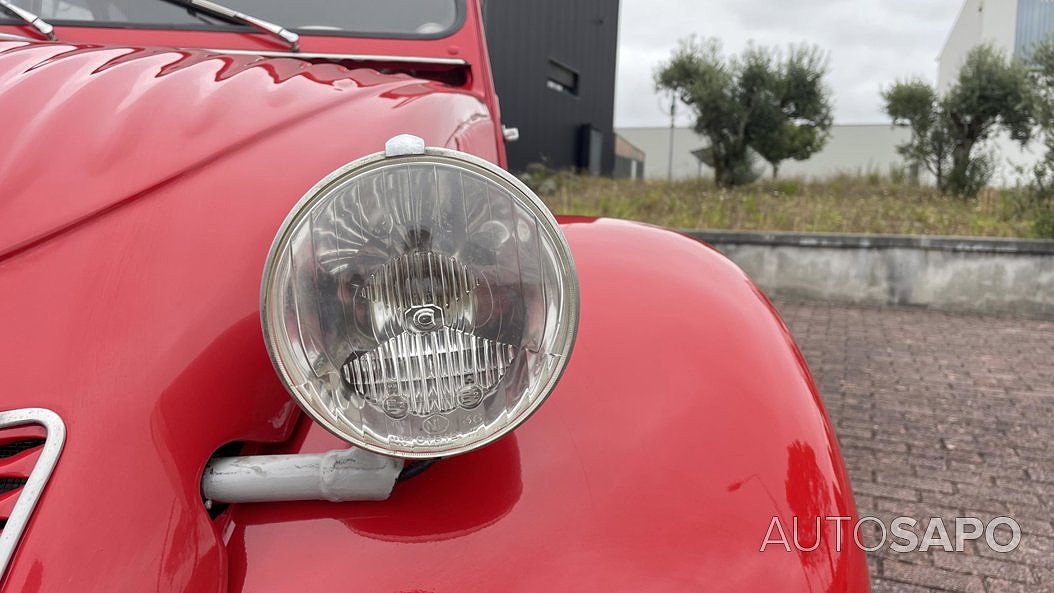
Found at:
(794, 122)
(992, 93)
(1042, 62)
(914, 103)
(761, 102)
(1041, 190)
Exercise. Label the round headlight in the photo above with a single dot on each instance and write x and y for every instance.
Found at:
(420, 305)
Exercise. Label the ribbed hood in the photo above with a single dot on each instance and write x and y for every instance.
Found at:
(89, 127)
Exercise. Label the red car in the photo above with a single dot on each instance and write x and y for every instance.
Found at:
(204, 304)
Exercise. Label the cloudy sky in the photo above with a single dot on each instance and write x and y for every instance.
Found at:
(871, 43)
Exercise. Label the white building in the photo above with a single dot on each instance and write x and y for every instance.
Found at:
(854, 149)
(1012, 26)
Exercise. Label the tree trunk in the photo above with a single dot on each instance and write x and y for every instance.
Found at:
(958, 176)
(775, 170)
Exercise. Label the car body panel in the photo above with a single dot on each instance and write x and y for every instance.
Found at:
(91, 127)
(684, 422)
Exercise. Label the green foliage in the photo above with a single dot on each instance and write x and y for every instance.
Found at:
(1042, 62)
(787, 187)
(849, 203)
(761, 101)
(1043, 225)
(1038, 197)
(992, 93)
(541, 178)
(914, 103)
(740, 171)
(794, 122)
(1041, 188)
(900, 175)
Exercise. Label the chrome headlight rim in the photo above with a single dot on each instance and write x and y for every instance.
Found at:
(489, 171)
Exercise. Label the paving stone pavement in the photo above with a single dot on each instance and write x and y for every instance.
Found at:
(942, 415)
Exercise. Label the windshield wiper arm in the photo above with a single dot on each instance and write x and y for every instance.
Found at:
(43, 27)
(229, 13)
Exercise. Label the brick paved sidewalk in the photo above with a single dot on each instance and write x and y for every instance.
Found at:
(946, 415)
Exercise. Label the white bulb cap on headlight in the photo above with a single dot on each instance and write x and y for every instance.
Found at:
(420, 303)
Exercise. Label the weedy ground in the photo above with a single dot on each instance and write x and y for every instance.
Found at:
(844, 204)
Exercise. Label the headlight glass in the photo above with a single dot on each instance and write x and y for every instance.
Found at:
(420, 306)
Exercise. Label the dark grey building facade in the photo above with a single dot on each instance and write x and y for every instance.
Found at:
(554, 69)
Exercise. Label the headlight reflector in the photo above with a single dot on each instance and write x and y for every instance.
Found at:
(420, 305)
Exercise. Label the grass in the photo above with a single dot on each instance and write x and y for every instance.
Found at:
(844, 204)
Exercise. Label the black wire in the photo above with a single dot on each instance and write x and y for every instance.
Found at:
(414, 468)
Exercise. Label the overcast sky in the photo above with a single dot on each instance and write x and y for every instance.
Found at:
(871, 43)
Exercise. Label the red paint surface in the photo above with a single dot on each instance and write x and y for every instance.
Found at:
(684, 422)
(141, 191)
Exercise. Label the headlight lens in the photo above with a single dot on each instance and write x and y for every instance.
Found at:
(420, 306)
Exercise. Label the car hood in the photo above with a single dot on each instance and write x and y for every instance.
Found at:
(141, 190)
(88, 128)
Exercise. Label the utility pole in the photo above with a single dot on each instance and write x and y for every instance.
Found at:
(673, 118)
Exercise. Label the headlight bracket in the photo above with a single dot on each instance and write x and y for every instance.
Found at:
(336, 476)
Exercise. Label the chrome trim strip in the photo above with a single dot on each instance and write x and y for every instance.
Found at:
(339, 57)
(38, 478)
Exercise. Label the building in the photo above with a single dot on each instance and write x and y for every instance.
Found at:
(629, 160)
(852, 148)
(1013, 26)
(554, 69)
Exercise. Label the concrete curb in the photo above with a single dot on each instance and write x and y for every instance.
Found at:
(1007, 276)
(862, 241)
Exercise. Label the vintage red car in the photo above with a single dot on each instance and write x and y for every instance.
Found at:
(161, 196)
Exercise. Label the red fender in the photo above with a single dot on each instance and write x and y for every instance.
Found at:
(685, 421)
